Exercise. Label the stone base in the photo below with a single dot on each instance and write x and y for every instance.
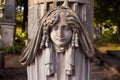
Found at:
(7, 33)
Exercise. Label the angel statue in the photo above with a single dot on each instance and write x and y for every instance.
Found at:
(61, 48)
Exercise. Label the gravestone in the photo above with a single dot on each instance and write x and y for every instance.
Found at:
(60, 49)
(8, 23)
(59, 46)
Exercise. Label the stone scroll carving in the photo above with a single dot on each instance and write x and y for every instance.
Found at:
(60, 50)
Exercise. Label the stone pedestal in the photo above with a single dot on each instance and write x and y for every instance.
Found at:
(7, 33)
(8, 22)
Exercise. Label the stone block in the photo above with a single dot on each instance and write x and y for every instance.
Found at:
(7, 33)
(33, 2)
(9, 11)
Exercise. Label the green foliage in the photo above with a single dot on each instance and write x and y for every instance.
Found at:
(107, 10)
(19, 19)
(106, 13)
(108, 36)
(12, 49)
(20, 37)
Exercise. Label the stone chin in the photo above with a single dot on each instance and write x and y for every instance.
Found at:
(60, 43)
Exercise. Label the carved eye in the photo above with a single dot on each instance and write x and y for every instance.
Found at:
(66, 28)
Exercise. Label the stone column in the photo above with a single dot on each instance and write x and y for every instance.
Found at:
(32, 18)
(37, 8)
(8, 23)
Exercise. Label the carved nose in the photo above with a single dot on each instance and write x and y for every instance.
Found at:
(60, 33)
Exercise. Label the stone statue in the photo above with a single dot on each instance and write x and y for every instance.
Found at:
(61, 48)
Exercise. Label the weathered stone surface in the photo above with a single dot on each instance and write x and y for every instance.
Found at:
(89, 2)
(8, 22)
(32, 20)
(88, 21)
(7, 33)
(9, 11)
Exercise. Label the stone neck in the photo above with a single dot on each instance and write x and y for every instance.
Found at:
(60, 49)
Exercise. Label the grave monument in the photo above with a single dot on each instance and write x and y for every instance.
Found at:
(8, 22)
(60, 49)
(60, 46)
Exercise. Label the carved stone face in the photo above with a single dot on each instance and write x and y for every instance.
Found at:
(61, 33)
